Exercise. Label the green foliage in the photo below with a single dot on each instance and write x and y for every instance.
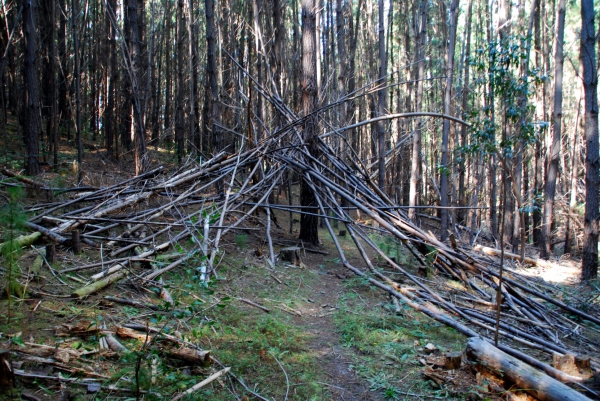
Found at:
(385, 346)
(12, 220)
(241, 241)
(505, 85)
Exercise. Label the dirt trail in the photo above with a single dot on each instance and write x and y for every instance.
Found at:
(341, 380)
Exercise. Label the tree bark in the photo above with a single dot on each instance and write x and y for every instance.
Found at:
(31, 126)
(381, 98)
(309, 222)
(589, 260)
(179, 113)
(110, 131)
(552, 173)
(137, 93)
(415, 171)
(77, 74)
(534, 382)
(444, 167)
(194, 106)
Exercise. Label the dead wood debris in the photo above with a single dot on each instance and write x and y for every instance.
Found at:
(147, 215)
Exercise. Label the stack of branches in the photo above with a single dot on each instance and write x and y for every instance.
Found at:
(205, 201)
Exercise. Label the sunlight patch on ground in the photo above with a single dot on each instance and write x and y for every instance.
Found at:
(561, 272)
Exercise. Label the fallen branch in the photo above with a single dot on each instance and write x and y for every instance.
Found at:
(201, 384)
(98, 285)
(512, 256)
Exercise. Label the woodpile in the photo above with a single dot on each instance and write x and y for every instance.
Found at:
(135, 222)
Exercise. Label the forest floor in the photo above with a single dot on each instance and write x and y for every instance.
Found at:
(304, 331)
(327, 335)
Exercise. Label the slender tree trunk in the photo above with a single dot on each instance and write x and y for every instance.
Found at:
(352, 30)
(137, 92)
(179, 116)
(256, 7)
(211, 74)
(168, 76)
(552, 173)
(64, 76)
(465, 104)
(381, 98)
(573, 176)
(77, 74)
(589, 260)
(308, 223)
(157, 82)
(538, 159)
(444, 167)
(193, 77)
(415, 171)
(31, 122)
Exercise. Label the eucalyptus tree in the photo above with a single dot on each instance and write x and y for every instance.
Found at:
(589, 262)
(420, 22)
(554, 151)
(308, 220)
(31, 106)
(444, 167)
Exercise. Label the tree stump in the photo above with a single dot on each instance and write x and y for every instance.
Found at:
(76, 242)
(565, 363)
(583, 363)
(291, 255)
(7, 377)
(50, 253)
(452, 360)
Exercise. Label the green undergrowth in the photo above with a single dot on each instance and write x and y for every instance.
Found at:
(384, 345)
(260, 348)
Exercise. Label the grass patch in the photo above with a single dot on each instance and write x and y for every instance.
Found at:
(385, 345)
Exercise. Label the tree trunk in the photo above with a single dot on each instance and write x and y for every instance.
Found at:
(194, 106)
(308, 223)
(415, 171)
(381, 99)
(552, 173)
(573, 176)
(137, 93)
(77, 74)
(179, 113)
(465, 104)
(444, 167)
(212, 93)
(112, 80)
(31, 123)
(589, 260)
(258, 51)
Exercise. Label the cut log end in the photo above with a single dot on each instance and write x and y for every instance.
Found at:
(291, 255)
(565, 363)
(192, 356)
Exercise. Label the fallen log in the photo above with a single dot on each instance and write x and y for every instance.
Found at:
(47, 233)
(201, 384)
(98, 285)
(22, 241)
(131, 302)
(192, 356)
(513, 256)
(534, 382)
(25, 180)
